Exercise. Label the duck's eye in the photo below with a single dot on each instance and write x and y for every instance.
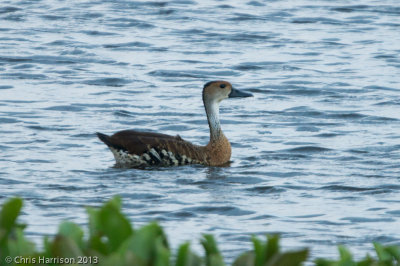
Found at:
(222, 86)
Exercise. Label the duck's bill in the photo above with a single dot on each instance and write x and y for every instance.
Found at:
(237, 93)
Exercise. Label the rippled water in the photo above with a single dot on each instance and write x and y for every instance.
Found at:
(316, 151)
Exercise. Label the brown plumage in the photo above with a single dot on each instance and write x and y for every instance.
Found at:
(139, 149)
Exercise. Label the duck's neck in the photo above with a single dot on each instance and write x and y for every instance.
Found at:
(212, 111)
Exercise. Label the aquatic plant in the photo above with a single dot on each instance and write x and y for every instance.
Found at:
(112, 240)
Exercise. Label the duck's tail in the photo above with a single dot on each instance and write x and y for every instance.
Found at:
(104, 138)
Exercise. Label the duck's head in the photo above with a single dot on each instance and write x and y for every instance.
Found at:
(219, 90)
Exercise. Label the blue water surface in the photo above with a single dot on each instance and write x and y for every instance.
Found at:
(316, 151)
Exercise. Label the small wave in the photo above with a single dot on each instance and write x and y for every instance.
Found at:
(111, 82)
(182, 214)
(308, 149)
(192, 74)
(255, 3)
(124, 113)
(127, 23)
(245, 17)
(350, 9)
(15, 17)
(63, 187)
(5, 120)
(6, 87)
(99, 33)
(8, 181)
(128, 45)
(23, 75)
(48, 128)
(327, 135)
(346, 188)
(346, 115)
(266, 189)
(307, 129)
(9, 9)
(222, 210)
(245, 66)
(308, 216)
(321, 20)
(367, 220)
(380, 88)
(14, 59)
(53, 17)
(263, 217)
(4, 147)
(69, 108)
(37, 161)
(394, 213)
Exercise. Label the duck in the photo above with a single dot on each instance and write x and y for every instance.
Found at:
(136, 149)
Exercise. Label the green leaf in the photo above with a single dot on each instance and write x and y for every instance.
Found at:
(73, 231)
(394, 251)
(8, 216)
(114, 225)
(345, 256)
(114, 242)
(182, 255)
(96, 244)
(367, 261)
(216, 260)
(162, 253)
(293, 258)
(213, 256)
(265, 252)
(116, 260)
(383, 255)
(46, 246)
(324, 262)
(143, 244)
(95, 235)
(272, 247)
(185, 257)
(64, 247)
(94, 221)
(19, 245)
(209, 244)
(259, 251)
(246, 259)
(108, 222)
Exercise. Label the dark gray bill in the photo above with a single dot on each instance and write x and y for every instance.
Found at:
(237, 93)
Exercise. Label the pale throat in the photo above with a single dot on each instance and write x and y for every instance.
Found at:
(212, 110)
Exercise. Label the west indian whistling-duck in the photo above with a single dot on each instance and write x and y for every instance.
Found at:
(140, 149)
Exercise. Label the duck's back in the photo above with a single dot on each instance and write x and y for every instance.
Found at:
(140, 149)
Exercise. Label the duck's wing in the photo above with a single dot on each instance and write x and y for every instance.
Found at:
(150, 148)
